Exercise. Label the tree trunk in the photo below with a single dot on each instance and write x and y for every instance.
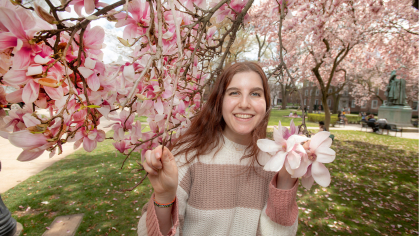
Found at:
(303, 116)
(284, 101)
(284, 97)
(336, 103)
(312, 96)
(326, 113)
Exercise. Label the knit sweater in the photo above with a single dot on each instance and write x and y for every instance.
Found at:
(215, 197)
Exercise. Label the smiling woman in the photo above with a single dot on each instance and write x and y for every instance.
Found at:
(214, 184)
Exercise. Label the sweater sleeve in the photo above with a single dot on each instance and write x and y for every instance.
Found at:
(282, 205)
(280, 214)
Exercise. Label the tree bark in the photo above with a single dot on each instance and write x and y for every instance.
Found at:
(284, 96)
(336, 104)
(326, 113)
(312, 96)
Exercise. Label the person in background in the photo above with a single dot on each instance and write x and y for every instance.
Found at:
(291, 114)
(321, 126)
(383, 124)
(372, 123)
(363, 117)
(344, 117)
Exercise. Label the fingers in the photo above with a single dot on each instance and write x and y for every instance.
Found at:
(153, 163)
(149, 170)
(167, 155)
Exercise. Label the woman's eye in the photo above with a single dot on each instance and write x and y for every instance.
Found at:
(256, 94)
(233, 93)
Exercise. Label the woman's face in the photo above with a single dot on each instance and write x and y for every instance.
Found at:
(244, 106)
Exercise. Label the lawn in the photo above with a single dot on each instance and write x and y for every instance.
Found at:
(277, 115)
(374, 191)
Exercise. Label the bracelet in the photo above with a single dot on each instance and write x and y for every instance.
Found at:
(164, 205)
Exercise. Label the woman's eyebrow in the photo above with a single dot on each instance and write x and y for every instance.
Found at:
(252, 89)
(256, 89)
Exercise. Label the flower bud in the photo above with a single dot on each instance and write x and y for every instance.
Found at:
(44, 15)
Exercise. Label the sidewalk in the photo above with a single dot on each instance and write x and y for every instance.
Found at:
(13, 171)
(410, 133)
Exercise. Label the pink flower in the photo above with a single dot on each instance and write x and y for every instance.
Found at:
(15, 118)
(89, 138)
(33, 144)
(136, 132)
(135, 23)
(122, 125)
(123, 146)
(90, 72)
(318, 152)
(89, 6)
(283, 149)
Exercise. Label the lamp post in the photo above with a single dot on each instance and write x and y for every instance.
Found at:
(7, 223)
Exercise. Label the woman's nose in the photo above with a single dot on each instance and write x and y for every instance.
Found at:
(244, 102)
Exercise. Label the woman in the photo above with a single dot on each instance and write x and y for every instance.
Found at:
(214, 182)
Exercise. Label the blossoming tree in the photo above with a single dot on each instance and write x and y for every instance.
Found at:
(330, 41)
(55, 63)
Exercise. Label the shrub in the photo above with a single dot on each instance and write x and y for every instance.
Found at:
(353, 119)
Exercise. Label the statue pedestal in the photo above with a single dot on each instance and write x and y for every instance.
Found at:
(400, 115)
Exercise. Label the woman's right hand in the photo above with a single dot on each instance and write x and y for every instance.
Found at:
(162, 173)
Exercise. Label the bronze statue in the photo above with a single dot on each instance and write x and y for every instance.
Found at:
(396, 91)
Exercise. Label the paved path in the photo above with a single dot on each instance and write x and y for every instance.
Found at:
(13, 171)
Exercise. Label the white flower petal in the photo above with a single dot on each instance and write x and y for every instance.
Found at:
(288, 167)
(34, 70)
(40, 60)
(276, 162)
(294, 159)
(89, 63)
(302, 169)
(299, 138)
(320, 174)
(318, 139)
(85, 71)
(267, 145)
(325, 155)
(278, 137)
(307, 182)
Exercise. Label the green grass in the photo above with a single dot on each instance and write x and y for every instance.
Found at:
(374, 186)
(277, 115)
(141, 118)
(86, 183)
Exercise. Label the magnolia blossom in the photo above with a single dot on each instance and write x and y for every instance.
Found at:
(300, 160)
(318, 152)
(89, 138)
(286, 149)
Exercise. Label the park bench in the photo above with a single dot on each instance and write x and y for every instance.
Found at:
(340, 122)
(364, 125)
(394, 128)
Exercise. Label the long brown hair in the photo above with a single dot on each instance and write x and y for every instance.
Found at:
(207, 126)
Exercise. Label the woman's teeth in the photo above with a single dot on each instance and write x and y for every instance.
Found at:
(243, 116)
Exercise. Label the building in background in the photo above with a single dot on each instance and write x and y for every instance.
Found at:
(312, 97)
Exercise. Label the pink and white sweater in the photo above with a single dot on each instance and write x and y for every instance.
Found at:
(214, 197)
